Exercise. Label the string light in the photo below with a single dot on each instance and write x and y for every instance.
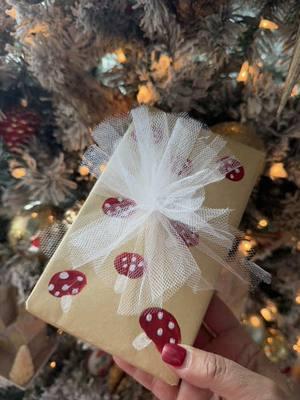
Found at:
(121, 57)
(269, 313)
(267, 24)
(83, 170)
(34, 215)
(255, 321)
(263, 223)
(277, 171)
(18, 173)
(296, 346)
(246, 245)
(297, 299)
(52, 364)
(244, 72)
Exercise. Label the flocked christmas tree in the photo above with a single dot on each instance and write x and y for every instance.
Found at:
(66, 65)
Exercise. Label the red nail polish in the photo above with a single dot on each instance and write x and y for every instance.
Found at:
(174, 355)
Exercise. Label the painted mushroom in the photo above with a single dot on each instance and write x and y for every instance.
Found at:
(189, 237)
(118, 207)
(65, 285)
(159, 327)
(128, 265)
(232, 168)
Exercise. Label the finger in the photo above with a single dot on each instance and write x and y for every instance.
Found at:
(190, 392)
(219, 317)
(210, 371)
(160, 389)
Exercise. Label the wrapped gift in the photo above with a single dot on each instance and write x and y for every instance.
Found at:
(152, 237)
(25, 345)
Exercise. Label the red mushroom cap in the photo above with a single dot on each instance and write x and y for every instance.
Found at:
(118, 207)
(160, 326)
(232, 168)
(131, 265)
(69, 282)
(189, 237)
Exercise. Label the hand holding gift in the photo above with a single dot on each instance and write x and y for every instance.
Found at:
(152, 237)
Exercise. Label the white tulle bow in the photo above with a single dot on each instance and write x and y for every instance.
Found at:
(151, 220)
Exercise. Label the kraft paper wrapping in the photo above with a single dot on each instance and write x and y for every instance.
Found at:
(93, 316)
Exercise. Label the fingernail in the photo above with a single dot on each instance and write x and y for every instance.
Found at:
(174, 355)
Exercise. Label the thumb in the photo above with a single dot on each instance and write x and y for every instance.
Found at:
(218, 374)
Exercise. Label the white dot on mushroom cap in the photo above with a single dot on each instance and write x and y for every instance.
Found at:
(160, 332)
(80, 278)
(74, 291)
(51, 287)
(124, 259)
(120, 199)
(160, 315)
(172, 340)
(106, 205)
(171, 325)
(149, 317)
(140, 264)
(133, 258)
(124, 265)
(65, 287)
(231, 176)
(56, 293)
(132, 267)
(64, 275)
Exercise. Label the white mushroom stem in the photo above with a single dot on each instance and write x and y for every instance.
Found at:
(141, 341)
(120, 284)
(65, 303)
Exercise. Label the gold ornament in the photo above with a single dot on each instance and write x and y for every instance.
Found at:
(277, 171)
(147, 94)
(276, 347)
(255, 326)
(242, 133)
(25, 227)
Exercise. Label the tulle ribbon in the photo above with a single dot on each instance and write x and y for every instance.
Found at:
(151, 220)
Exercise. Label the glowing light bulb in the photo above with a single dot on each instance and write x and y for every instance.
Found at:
(244, 72)
(267, 24)
(18, 173)
(83, 170)
(263, 223)
(277, 171)
(52, 364)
